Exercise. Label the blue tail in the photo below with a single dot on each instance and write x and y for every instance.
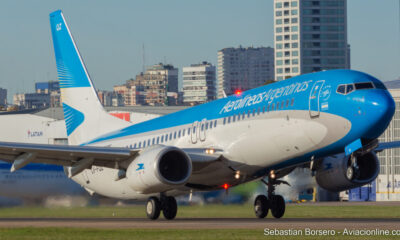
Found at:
(85, 116)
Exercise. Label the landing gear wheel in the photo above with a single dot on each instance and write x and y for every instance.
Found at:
(153, 208)
(170, 208)
(350, 173)
(261, 206)
(277, 204)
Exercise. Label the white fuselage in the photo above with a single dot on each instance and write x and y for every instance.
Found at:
(252, 143)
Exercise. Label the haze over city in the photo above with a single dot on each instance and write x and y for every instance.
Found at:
(111, 36)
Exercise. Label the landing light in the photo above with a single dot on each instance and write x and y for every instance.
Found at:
(210, 151)
(237, 175)
(272, 174)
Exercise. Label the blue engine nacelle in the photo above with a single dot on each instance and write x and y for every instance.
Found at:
(337, 173)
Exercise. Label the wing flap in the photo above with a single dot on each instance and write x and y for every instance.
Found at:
(65, 155)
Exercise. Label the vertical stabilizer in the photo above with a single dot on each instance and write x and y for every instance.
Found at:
(85, 117)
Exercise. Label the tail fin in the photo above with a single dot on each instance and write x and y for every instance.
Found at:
(85, 117)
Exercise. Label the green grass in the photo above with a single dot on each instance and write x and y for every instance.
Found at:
(208, 211)
(158, 234)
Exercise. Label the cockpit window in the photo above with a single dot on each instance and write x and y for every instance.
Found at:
(349, 88)
(341, 89)
(365, 85)
(380, 85)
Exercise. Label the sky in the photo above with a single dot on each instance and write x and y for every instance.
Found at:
(110, 36)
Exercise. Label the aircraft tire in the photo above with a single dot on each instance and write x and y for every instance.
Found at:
(261, 206)
(277, 204)
(170, 208)
(153, 208)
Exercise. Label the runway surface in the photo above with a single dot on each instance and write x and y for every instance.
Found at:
(207, 223)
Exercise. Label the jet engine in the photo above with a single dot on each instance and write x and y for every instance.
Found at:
(158, 169)
(339, 172)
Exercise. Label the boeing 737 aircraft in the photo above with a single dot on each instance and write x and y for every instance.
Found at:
(328, 121)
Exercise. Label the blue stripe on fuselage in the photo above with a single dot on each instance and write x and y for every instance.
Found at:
(256, 98)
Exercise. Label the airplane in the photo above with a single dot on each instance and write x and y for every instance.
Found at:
(328, 121)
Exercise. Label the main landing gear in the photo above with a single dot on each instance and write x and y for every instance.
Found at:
(166, 204)
(272, 202)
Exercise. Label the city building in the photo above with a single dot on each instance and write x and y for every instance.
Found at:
(52, 88)
(105, 97)
(157, 86)
(156, 82)
(310, 36)
(47, 87)
(3, 97)
(47, 94)
(388, 181)
(244, 68)
(199, 83)
(31, 100)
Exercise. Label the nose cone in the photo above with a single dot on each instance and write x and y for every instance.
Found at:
(380, 107)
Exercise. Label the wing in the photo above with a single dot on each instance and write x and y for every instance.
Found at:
(387, 145)
(80, 158)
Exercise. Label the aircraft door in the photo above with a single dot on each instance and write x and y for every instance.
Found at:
(193, 132)
(314, 104)
(202, 130)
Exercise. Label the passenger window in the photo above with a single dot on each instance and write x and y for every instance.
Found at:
(287, 103)
(166, 137)
(188, 131)
(140, 144)
(206, 125)
(144, 144)
(244, 115)
(264, 109)
(268, 108)
(179, 134)
(229, 119)
(277, 106)
(183, 132)
(273, 107)
(282, 104)
(224, 121)
(148, 142)
(341, 89)
(215, 123)
(349, 88)
(174, 135)
(254, 112)
(158, 140)
(248, 114)
(134, 146)
(154, 141)
(234, 118)
(258, 111)
(170, 136)
(162, 138)
(366, 85)
(292, 102)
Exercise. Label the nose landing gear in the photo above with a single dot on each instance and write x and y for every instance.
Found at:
(274, 202)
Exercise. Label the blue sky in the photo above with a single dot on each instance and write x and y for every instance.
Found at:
(110, 35)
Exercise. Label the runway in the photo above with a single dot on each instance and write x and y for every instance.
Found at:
(206, 223)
